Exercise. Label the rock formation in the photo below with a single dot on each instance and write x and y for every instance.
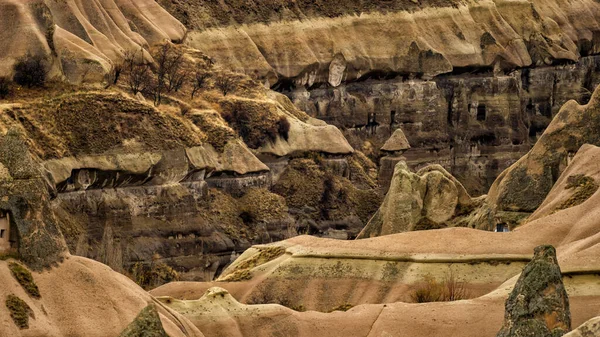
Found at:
(590, 328)
(522, 188)
(428, 199)
(464, 35)
(139, 187)
(577, 183)
(396, 144)
(147, 323)
(82, 41)
(49, 299)
(538, 305)
(444, 72)
(34, 229)
(393, 149)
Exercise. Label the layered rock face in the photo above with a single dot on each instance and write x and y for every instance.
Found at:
(135, 185)
(44, 288)
(522, 188)
(475, 125)
(344, 41)
(441, 71)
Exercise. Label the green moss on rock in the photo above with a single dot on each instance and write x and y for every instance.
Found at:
(146, 324)
(19, 311)
(584, 187)
(25, 279)
(538, 306)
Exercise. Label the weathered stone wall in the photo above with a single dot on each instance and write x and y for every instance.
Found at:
(475, 125)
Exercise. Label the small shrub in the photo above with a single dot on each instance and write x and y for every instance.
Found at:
(225, 83)
(139, 75)
(13, 254)
(31, 71)
(25, 279)
(4, 87)
(200, 81)
(112, 77)
(283, 127)
(19, 311)
(450, 289)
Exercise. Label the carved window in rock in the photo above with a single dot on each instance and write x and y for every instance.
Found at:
(481, 112)
(502, 228)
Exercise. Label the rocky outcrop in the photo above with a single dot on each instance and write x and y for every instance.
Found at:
(590, 328)
(82, 41)
(34, 230)
(428, 199)
(475, 117)
(524, 186)
(61, 286)
(78, 285)
(576, 185)
(475, 125)
(147, 323)
(326, 274)
(136, 186)
(425, 39)
(538, 305)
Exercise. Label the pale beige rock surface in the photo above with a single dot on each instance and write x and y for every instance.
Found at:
(397, 142)
(82, 40)
(427, 199)
(430, 39)
(590, 328)
(82, 297)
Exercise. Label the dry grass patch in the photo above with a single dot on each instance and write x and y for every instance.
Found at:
(447, 290)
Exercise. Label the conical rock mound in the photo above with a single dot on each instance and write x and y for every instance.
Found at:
(538, 305)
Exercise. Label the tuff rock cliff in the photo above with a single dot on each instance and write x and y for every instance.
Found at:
(471, 84)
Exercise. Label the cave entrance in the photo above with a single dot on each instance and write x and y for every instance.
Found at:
(481, 112)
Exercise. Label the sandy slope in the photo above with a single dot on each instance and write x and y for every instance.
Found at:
(82, 297)
(81, 39)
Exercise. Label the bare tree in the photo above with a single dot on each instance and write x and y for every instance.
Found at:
(169, 75)
(200, 81)
(139, 74)
(225, 84)
(176, 76)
